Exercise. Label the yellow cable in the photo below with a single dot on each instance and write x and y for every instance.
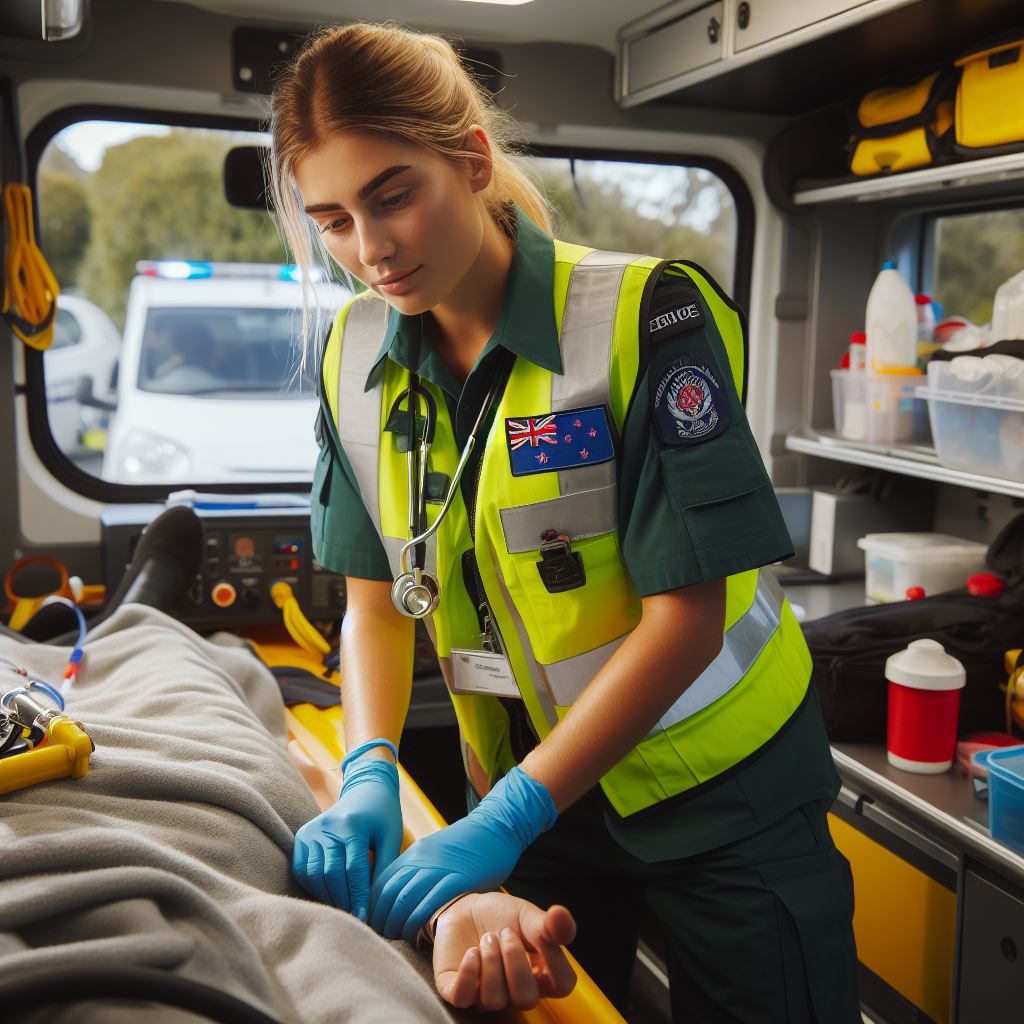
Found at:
(30, 288)
(302, 631)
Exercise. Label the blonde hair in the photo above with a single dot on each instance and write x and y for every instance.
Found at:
(394, 82)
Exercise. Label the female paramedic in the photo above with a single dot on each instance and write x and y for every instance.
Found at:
(539, 449)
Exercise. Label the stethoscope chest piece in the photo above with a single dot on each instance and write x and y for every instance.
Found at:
(416, 598)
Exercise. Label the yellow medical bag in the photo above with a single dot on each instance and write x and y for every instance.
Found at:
(989, 115)
(898, 128)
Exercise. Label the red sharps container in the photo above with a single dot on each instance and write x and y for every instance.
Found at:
(924, 702)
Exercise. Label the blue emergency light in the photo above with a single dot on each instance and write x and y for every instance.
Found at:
(194, 270)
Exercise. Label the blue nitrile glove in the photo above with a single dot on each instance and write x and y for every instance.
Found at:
(475, 854)
(331, 859)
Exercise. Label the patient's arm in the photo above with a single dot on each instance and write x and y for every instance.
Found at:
(493, 950)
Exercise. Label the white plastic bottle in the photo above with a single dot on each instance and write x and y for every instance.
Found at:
(891, 322)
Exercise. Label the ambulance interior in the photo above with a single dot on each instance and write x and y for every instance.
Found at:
(731, 134)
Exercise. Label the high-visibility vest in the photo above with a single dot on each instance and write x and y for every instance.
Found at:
(557, 642)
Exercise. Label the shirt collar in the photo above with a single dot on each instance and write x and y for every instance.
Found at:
(526, 325)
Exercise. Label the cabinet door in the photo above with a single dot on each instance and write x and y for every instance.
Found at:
(671, 50)
(991, 954)
(757, 21)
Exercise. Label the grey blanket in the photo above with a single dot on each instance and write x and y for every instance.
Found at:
(174, 851)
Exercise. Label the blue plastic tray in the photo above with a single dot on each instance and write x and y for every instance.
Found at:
(1006, 795)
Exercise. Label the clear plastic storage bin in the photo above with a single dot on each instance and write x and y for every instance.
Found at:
(880, 408)
(895, 562)
(979, 433)
(1006, 796)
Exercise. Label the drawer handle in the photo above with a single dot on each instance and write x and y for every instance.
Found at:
(714, 27)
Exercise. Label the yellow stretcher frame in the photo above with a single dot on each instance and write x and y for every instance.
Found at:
(316, 746)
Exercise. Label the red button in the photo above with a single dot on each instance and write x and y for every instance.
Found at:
(915, 593)
(224, 595)
(985, 585)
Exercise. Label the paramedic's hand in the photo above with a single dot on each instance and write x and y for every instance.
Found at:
(475, 854)
(331, 859)
(493, 950)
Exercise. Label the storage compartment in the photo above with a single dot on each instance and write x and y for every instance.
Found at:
(1006, 797)
(980, 433)
(688, 43)
(991, 952)
(880, 408)
(895, 562)
(769, 19)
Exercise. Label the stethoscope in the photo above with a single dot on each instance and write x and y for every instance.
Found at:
(416, 592)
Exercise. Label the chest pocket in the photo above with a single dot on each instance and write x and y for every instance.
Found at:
(565, 623)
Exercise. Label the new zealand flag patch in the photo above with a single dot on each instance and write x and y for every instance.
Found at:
(690, 405)
(563, 440)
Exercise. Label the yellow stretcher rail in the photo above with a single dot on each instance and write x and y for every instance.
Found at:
(316, 747)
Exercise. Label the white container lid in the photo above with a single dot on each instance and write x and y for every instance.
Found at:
(925, 665)
(903, 546)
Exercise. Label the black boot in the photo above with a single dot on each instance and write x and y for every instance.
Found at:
(162, 569)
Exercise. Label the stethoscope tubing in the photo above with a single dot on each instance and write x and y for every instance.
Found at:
(467, 451)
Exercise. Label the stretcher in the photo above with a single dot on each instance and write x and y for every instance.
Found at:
(316, 746)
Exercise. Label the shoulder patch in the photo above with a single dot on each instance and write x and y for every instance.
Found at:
(675, 311)
(689, 402)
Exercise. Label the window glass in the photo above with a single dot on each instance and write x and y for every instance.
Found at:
(653, 209)
(189, 319)
(974, 254)
(66, 331)
(189, 323)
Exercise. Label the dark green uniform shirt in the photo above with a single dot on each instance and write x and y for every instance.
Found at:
(690, 511)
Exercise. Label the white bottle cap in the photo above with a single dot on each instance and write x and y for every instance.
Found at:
(925, 665)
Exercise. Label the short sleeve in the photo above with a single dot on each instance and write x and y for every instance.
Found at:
(345, 540)
(696, 502)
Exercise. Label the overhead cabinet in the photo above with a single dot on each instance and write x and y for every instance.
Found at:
(684, 44)
(690, 40)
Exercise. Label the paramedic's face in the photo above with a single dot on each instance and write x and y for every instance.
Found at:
(403, 220)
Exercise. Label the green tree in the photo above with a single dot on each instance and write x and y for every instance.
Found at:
(975, 254)
(162, 197)
(645, 209)
(64, 221)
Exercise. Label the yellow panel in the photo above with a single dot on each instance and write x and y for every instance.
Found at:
(904, 921)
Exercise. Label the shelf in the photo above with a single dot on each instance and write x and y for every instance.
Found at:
(908, 460)
(976, 175)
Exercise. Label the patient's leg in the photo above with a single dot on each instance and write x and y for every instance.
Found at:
(174, 851)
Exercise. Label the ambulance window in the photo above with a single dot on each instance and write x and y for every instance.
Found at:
(653, 208)
(66, 331)
(188, 314)
(974, 253)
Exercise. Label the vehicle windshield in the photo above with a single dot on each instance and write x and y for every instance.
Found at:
(220, 351)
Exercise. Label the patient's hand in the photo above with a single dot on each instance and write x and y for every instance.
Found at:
(493, 950)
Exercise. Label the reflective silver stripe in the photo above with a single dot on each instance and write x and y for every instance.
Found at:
(583, 514)
(743, 643)
(588, 324)
(358, 411)
(359, 415)
(524, 640)
(567, 679)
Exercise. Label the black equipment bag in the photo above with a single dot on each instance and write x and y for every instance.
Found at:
(849, 649)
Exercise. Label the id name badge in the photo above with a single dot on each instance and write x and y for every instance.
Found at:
(475, 672)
